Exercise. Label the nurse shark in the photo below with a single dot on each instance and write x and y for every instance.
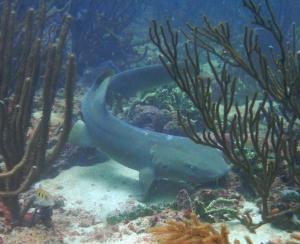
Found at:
(155, 155)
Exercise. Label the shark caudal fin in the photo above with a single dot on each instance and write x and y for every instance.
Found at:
(79, 135)
(104, 75)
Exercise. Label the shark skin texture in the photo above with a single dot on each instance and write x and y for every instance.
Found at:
(155, 155)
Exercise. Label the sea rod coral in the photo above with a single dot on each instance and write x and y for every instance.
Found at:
(270, 133)
(24, 157)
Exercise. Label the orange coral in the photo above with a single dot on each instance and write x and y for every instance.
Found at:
(190, 232)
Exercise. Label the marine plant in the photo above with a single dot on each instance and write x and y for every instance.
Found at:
(24, 62)
(99, 26)
(218, 207)
(167, 98)
(191, 231)
(269, 133)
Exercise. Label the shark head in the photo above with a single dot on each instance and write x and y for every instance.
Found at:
(187, 161)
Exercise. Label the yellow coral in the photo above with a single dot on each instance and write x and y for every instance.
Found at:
(190, 232)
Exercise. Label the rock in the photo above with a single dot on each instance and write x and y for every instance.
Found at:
(150, 117)
(183, 200)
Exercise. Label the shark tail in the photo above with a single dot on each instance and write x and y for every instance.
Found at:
(105, 74)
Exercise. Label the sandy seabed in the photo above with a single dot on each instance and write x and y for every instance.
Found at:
(92, 193)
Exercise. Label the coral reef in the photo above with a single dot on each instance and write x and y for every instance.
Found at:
(155, 109)
(220, 206)
(137, 212)
(210, 205)
(149, 117)
(183, 200)
(270, 135)
(25, 156)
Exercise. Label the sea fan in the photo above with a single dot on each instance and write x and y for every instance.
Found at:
(191, 232)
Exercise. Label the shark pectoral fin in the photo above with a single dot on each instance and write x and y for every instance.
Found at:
(79, 135)
(146, 178)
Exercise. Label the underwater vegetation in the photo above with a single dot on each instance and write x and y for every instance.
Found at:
(154, 109)
(26, 56)
(275, 147)
(100, 30)
(210, 210)
(137, 212)
(247, 145)
(191, 231)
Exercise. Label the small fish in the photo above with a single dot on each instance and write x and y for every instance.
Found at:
(43, 198)
(42, 193)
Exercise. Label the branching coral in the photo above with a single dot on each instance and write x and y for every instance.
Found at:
(277, 74)
(24, 157)
(269, 134)
(191, 232)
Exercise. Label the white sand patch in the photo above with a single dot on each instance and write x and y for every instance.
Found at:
(100, 189)
(263, 234)
(108, 187)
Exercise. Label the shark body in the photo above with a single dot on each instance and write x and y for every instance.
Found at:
(155, 155)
